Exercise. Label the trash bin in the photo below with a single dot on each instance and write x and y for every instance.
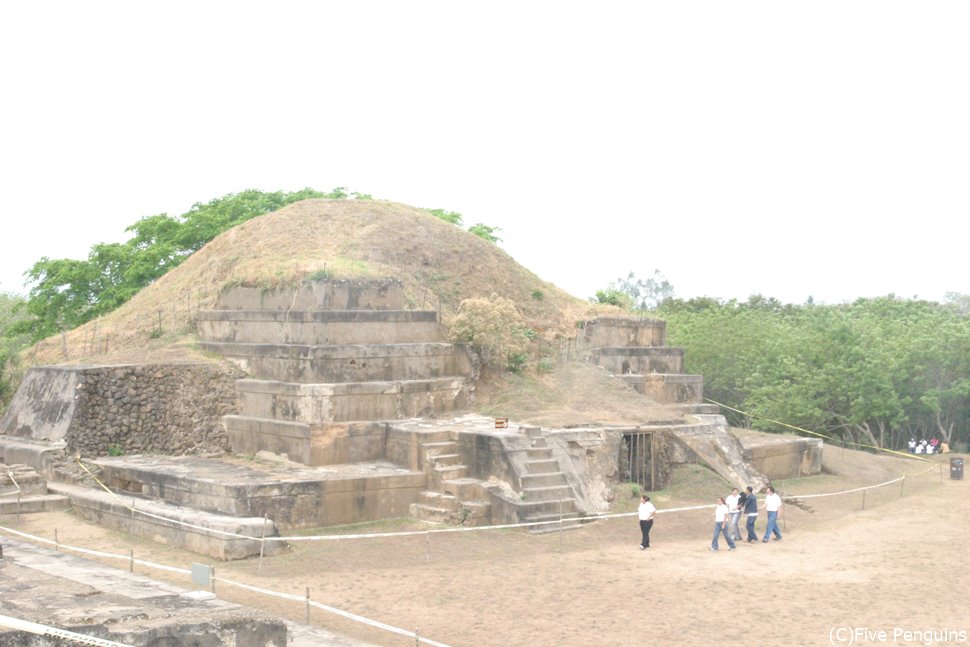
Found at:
(956, 469)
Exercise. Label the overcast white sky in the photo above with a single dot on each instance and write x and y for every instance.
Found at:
(787, 149)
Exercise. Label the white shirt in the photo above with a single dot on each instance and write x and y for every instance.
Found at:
(720, 513)
(646, 510)
(732, 502)
(773, 502)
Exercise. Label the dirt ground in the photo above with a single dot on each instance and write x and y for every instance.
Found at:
(894, 560)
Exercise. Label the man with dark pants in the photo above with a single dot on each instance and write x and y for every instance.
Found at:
(645, 511)
(751, 510)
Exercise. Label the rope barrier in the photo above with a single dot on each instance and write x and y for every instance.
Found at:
(53, 632)
(15, 484)
(361, 619)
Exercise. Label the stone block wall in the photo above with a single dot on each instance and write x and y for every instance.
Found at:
(164, 408)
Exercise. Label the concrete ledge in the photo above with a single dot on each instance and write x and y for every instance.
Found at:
(319, 403)
(40, 456)
(346, 363)
(34, 503)
(323, 327)
(623, 331)
(782, 456)
(170, 524)
(668, 388)
(379, 294)
(639, 360)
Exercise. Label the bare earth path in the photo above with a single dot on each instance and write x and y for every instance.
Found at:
(900, 565)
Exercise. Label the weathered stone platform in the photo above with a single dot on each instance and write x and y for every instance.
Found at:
(288, 494)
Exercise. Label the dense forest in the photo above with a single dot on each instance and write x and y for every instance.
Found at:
(874, 372)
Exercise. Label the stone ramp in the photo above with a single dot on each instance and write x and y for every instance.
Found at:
(712, 443)
(70, 592)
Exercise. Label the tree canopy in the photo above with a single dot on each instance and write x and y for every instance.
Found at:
(875, 372)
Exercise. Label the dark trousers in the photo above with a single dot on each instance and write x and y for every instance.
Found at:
(645, 526)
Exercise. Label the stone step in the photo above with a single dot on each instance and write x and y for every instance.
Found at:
(380, 294)
(667, 388)
(439, 500)
(621, 360)
(445, 460)
(542, 466)
(425, 512)
(695, 409)
(215, 535)
(346, 363)
(548, 493)
(319, 328)
(465, 488)
(534, 454)
(474, 512)
(34, 503)
(551, 524)
(448, 472)
(529, 509)
(548, 479)
(313, 403)
(436, 448)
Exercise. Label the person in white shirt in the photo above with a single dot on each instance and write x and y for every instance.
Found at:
(773, 508)
(720, 524)
(734, 507)
(645, 512)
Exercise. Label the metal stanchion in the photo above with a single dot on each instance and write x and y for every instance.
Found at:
(131, 560)
(427, 548)
(262, 545)
(308, 605)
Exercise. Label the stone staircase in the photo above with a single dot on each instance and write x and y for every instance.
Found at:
(452, 496)
(546, 493)
(326, 360)
(23, 490)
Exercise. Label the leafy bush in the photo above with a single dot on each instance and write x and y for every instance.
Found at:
(495, 329)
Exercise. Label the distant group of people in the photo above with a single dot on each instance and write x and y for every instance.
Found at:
(727, 517)
(934, 446)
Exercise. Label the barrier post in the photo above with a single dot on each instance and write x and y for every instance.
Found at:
(212, 579)
(262, 545)
(427, 548)
(131, 560)
(560, 524)
(417, 637)
(56, 543)
(308, 605)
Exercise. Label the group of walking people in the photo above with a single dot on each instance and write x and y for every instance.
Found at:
(727, 517)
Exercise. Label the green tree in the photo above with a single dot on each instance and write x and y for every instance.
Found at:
(636, 294)
(485, 232)
(66, 293)
(12, 311)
